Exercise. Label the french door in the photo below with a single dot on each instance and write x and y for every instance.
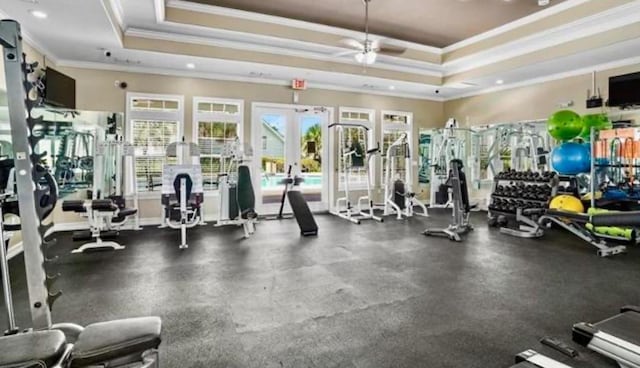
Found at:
(290, 137)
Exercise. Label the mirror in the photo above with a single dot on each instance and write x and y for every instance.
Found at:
(69, 142)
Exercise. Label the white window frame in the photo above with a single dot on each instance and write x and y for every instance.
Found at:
(198, 116)
(131, 114)
(371, 124)
(386, 127)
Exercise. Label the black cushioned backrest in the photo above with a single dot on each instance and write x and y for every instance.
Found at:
(245, 196)
(188, 185)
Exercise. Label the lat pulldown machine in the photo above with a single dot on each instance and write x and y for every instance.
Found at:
(122, 343)
(355, 154)
(399, 197)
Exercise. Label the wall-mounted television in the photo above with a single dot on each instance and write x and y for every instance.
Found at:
(624, 90)
(59, 89)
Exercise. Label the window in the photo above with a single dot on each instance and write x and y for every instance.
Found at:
(216, 122)
(352, 136)
(395, 124)
(153, 121)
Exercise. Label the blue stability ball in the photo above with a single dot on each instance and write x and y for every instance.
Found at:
(571, 158)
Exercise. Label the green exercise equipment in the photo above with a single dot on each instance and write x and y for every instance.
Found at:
(564, 125)
(597, 121)
(610, 231)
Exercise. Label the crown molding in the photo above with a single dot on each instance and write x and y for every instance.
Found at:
(118, 12)
(294, 23)
(113, 11)
(552, 10)
(234, 78)
(598, 23)
(412, 67)
(551, 77)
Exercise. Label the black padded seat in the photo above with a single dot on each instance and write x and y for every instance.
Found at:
(33, 349)
(124, 213)
(73, 206)
(105, 341)
(191, 204)
(103, 205)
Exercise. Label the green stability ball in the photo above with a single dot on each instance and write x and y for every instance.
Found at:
(597, 121)
(564, 125)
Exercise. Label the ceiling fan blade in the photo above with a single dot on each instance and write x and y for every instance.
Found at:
(346, 53)
(391, 50)
(354, 44)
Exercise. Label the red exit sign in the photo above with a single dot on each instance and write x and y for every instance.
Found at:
(299, 84)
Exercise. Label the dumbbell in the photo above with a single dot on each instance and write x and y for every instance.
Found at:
(502, 221)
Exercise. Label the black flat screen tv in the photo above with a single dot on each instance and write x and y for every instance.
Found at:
(624, 90)
(59, 90)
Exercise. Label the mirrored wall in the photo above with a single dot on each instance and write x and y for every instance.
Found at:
(69, 143)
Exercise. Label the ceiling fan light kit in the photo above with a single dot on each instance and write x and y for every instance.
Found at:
(366, 52)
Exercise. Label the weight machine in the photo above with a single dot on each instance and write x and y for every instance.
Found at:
(122, 343)
(522, 142)
(355, 154)
(237, 198)
(457, 183)
(182, 190)
(399, 197)
(106, 211)
(446, 147)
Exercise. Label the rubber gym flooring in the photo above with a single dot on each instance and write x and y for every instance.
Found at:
(374, 295)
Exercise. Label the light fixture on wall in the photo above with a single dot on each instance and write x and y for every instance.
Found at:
(543, 2)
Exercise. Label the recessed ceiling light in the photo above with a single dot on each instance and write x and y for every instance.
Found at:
(191, 65)
(392, 87)
(499, 81)
(38, 14)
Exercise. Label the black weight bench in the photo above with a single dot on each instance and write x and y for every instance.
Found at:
(127, 342)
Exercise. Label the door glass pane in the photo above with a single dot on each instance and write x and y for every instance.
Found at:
(273, 133)
(310, 128)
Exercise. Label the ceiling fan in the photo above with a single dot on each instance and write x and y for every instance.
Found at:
(366, 52)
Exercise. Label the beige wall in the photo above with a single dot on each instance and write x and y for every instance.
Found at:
(537, 101)
(95, 91)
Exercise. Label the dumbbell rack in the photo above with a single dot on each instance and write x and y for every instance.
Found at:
(517, 194)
